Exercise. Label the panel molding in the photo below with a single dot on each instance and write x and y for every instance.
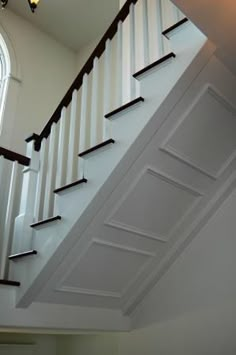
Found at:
(122, 247)
(132, 282)
(137, 231)
(175, 182)
(167, 148)
(89, 292)
(111, 222)
(134, 299)
(60, 284)
(95, 292)
(185, 160)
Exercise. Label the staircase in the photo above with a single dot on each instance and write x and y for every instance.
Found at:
(109, 194)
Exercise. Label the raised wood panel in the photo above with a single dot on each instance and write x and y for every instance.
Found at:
(105, 269)
(154, 206)
(127, 236)
(206, 136)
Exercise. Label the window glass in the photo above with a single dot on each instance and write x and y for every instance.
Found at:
(4, 74)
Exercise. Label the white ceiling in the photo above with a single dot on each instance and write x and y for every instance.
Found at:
(72, 22)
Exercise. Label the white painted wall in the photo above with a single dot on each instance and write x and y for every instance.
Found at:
(202, 277)
(203, 332)
(192, 310)
(84, 53)
(122, 3)
(105, 344)
(45, 344)
(47, 69)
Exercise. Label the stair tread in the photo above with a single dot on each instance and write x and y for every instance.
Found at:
(173, 27)
(96, 147)
(22, 255)
(75, 183)
(45, 221)
(9, 283)
(155, 64)
(124, 107)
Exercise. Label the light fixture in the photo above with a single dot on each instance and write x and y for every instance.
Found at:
(32, 3)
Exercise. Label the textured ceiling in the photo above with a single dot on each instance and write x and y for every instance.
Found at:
(72, 22)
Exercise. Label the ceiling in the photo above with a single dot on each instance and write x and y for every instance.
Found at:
(73, 22)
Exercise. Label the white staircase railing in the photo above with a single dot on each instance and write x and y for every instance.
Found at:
(11, 165)
(133, 41)
(108, 84)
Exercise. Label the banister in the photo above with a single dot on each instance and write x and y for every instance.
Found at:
(98, 51)
(10, 155)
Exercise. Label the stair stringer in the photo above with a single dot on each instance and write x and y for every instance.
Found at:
(79, 208)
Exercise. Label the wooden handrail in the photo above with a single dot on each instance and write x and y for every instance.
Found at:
(10, 155)
(98, 51)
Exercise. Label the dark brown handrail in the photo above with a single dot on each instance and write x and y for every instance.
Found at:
(98, 51)
(8, 154)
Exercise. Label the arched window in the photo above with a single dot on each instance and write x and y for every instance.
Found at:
(9, 89)
(5, 66)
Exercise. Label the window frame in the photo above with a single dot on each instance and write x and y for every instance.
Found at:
(10, 90)
(5, 73)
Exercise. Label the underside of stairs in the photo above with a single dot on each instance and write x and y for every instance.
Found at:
(145, 192)
(95, 256)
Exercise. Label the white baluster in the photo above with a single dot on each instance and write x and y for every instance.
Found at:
(133, 82)
(50, 179)
(172, 13)
(168, 13)
(1, 169)
(84, 114)
(61, 166)
(2, 188)
(107, 88)
(83, 122)
(7, 240)
(146, 49)
(2, 202)
(41, 181)
(160, 37)
(2, 195)
(178, 14)
(73, 141)
(119, 66)
(94, 105)
(22, 239)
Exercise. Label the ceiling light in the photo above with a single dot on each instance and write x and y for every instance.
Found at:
(32, 3)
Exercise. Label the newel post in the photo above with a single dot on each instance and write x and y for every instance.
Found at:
(22, 240)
